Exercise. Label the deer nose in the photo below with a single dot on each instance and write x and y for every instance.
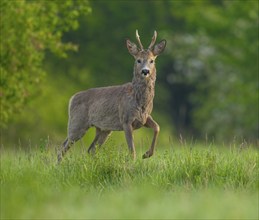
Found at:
(145, 71)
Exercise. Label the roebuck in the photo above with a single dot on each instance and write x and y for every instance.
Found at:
(118, 108)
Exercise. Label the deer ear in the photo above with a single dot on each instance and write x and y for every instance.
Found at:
(132, 48)
(159, 48)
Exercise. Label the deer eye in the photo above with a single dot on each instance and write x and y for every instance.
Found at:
(151, 61)
(139, 61)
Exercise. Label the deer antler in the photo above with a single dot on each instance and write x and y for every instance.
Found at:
(139, 42)
(153, 40)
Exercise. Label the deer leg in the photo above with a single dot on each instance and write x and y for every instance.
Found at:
(100, 138)
(150, 123)
(103, 137)
(73, 136)
(91, 149)
(128, 130)
(65, 147)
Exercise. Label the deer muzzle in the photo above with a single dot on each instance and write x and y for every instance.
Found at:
(145, 72)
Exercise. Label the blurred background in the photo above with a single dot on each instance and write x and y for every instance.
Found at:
(207, 78)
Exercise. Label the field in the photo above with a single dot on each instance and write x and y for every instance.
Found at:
(179, 182)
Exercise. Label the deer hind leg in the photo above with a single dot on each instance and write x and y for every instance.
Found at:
(150, 123)
(104, 135)
(75, 133)
(67, 145)
(100, 138)
(64, 148)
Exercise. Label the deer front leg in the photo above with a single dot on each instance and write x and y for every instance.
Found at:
(128, 130)
(150, 123)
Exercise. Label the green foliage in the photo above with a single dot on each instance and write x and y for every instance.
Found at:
(28, 29)
(207, 77)
(189, 180)
(218, 57)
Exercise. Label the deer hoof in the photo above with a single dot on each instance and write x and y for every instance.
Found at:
(147, 155)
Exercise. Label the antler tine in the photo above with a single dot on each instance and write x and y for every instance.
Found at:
(153, 40)
(139, 42)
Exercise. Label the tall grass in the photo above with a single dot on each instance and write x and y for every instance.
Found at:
(184, 182)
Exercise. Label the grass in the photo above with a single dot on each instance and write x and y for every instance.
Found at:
(184, 182)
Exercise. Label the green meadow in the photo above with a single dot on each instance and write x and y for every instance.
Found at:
(181, 181)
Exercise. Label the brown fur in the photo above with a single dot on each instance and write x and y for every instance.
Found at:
(117, 108)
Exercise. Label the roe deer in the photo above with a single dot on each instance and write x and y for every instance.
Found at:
(118, 108)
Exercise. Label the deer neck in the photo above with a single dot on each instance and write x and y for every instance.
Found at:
(144, 90)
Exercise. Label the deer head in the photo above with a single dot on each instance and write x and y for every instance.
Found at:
(145, 58)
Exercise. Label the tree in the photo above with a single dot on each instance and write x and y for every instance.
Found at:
(28, 30)
(219, 60)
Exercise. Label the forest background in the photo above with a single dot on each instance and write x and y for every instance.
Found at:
(207, 79)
